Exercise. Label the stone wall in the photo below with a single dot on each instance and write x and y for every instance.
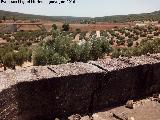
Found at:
(46, 92)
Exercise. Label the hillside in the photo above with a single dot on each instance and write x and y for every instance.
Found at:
(131, 17)
(21, 16)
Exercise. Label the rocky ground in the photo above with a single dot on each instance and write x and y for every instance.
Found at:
(146, 109)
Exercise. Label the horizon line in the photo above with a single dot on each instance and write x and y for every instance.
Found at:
(80, 16)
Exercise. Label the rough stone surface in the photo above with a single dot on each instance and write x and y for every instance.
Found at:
(123, 62)
(36, 73)
(49, 92)
(129, 104)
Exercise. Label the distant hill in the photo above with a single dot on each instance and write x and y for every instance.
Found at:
(155, 16)
(116, 18)
(21, 16)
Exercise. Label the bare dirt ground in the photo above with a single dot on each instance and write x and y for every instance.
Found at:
(25, 64)
(146, 109)
(96, 27)
(73, 27)
(143, 110)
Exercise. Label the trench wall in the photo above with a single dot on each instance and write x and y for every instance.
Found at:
(44, 93)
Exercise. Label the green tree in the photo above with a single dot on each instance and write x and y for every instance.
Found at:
(116, 53)
(4, 18)
(13, 18)
(86, 52)
(39, 57)
(75, 52)
(56, 59)
(62, 45)
(106, 48)
(78, 30)
(19, 59)
(129, 42)
(97, 51)
(8, 60)
(120, 42)
(45, 56)
(54, 27)
(65, 27)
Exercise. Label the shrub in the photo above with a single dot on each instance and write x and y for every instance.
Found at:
(116, 53)
(100, 46)
(39, 57)
(65, 27)
(92, 33)
(44, 56)
(156, 33)
(135, 38)
(106, 48)
(75, 52)
(111, 41)
(86, 52)
(103, 33)
(143, 34)
(8, 60)
(150, 37)
(82, 35)
(96, 51)
(130, 36)
(127, 34)
(130, 42)
(61, 44)
(54, 27)
(126, 52)
(136, 44)
(19, 58)
(120, 42)
(78, 30)
(56, 59)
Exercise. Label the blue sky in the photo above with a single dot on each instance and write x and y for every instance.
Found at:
(86, 8)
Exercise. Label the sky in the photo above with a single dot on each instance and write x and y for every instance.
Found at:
(85, 8)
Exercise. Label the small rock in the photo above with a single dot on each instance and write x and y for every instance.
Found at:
(33, 70)
(132, 118)
(57, 119)
(91, 118)
(129, 104)
(75, 117)
(155, 95)
(148, 54)
(120, 116)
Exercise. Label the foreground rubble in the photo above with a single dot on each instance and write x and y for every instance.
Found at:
(146, 109)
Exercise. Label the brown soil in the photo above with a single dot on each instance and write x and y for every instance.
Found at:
(145, 109)
(73, 27)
